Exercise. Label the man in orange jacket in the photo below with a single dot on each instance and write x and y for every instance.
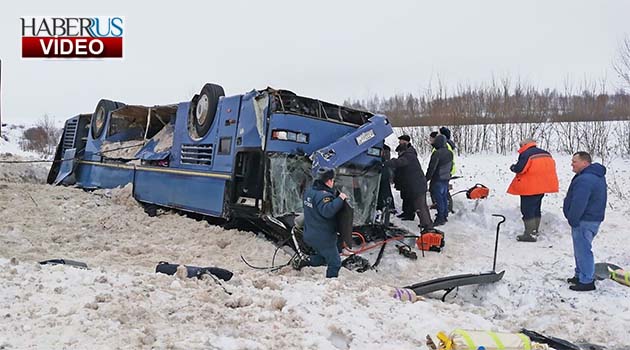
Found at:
(535, 175)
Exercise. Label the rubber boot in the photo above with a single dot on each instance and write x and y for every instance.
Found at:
(536, 226)
(528, 235)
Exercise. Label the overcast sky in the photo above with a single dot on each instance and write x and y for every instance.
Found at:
(331, 50)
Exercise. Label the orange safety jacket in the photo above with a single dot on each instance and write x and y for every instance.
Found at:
(535, 172)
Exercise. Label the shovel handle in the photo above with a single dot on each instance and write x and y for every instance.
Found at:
(496, 241)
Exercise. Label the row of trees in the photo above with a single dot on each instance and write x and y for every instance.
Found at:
(509, 101)
(496, 116)
(600, 138)
(500, 102)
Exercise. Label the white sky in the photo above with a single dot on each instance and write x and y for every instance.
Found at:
(330, 50)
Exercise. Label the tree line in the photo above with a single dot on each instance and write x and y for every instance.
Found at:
(500, 102)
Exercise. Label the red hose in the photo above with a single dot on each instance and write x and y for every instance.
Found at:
(363, 246)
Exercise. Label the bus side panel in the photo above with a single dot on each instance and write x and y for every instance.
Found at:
(320, 133)
(227, 119)
(200, 194)
(105, 175)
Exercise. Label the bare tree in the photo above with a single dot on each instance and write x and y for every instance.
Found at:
(622, 63)
(622, 131)
(42, 138)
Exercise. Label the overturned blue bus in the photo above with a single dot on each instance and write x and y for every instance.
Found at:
(235, 159)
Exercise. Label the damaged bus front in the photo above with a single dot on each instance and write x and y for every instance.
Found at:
(245, 158)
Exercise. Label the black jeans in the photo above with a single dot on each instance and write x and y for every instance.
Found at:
(530, 206)
(408, 205)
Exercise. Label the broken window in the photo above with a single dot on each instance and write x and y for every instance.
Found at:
(290, 176)
(131, 126)
(288, 102)
(361, 185)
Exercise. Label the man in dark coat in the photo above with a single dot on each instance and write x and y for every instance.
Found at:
(408, 208)
(412, 183)
(439, 173)
(585, 208)
(385, 189)
(447, 133)
(320, 226)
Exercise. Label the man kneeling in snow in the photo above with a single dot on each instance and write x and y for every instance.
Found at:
(320, 227)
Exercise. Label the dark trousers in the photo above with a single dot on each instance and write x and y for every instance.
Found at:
(431, 189)
(327, 253)
(422, 209)
(384, 191)
(439, 191)
(408, 206)
(530, 206)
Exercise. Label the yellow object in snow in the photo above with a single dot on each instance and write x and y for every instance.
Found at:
(620, 276)
(461, 339)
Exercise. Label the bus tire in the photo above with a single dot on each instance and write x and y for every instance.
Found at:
(204, 107)
(99, 117)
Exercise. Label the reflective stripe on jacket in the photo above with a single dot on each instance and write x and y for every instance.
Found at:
(535, 172)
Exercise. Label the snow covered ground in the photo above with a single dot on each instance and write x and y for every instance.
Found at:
(10, 151)
(121, 303)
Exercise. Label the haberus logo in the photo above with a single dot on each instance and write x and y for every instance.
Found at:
(72, 37)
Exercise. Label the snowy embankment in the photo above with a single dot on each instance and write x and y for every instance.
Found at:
(121, 303)
(11, 151)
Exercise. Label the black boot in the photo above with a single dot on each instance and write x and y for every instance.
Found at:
(298, 263)
(583, 287)
(439, 221)
(528, 234)
(573, 280)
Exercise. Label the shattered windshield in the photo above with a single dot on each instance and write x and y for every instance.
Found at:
(362, 188)
(290, 176)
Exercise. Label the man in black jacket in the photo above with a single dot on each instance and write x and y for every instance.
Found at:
(408, 209)
(412, 182)
(439, 173)
(385, 189)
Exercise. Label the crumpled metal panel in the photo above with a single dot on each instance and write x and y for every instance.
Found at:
(158, 147)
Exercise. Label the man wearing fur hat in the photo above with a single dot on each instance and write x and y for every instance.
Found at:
(412, 183)
(320, 227)
(408, 208)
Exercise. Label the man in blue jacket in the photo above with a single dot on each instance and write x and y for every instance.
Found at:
(320, 227)
(584, 208)
(439, 173)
